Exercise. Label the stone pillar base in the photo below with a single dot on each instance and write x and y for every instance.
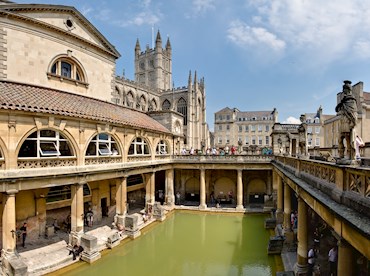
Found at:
(131, 226)
(13, 264)
(158, 212)
(300, 270)
(239, 208)
(133, 234)
(202, 206)
(90, 257)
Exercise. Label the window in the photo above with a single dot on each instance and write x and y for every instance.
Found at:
(102, 145)
(246, 128)
(220, 140)
(138, 147)
(308, 120)
(309, 130)
(59, 193)
(317, 120)
(244, 119)
(246, 140)
(309, 141)
(267, 140)
(317, 129)
(253, 140)
(227, 117)
(45, 143)
(220, 117)
(162, 147)
(239, 119)
(227, 127)
(240, 128)
(183, 109)
(166, 105)
(219, 127)
(317, 141)
(253, 128)
(130, 99)
(259, 128)
(227, 140)
(260, 140)
(267, 129)
(240, 139)
(67, 68)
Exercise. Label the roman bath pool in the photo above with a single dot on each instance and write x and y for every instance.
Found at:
(189, 243)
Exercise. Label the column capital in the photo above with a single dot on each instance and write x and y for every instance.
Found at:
(12, 192)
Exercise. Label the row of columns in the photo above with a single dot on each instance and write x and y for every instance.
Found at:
(345, 251)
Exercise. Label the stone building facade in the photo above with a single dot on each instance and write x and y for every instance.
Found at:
(246, 128)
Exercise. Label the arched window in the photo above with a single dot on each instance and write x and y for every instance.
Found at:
(102, 145)
(130, 99)
(162, 147)
(138, 147)
(45, 143)
(153, 105)
(64, 192)
(183, 109)
(166, 105)
(66, 67)
(317, 120)
(142, 103)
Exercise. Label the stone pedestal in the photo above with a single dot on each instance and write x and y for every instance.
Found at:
(90, 245)
(131, 226)
(13, 264)
(113, 240)
(300, 270)
(158, 212)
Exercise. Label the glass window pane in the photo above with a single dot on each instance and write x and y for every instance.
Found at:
(91, 149)
(103, 136)
(28, 149)
(66, 69)
(48, 149)
(47, 133)
(131, 149)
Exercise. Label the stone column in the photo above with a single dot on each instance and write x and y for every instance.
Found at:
(302, 248)
(170, 195)
(239, 190)
(287, 208)
(152, 187)
(345, 259)
(279, 210)
(9, 221)
(202, 204)
(121, 201)
(77, 213)
(121, 196)
(147, 178)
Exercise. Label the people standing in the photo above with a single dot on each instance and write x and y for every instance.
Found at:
(311, 260)
(178, 197)
(90, 217)
(24, 233)
(333, 258)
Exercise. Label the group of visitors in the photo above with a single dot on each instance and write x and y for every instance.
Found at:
(211, 151)
(294, 220)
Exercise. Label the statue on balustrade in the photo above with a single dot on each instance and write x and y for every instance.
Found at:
(347, 110)
(302, 136)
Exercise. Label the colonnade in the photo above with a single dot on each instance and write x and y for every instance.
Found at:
(283, 211)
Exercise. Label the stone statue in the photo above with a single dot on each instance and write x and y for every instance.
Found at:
(302, 136)
(347, 110)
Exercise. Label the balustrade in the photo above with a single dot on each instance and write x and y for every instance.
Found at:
(46, 162)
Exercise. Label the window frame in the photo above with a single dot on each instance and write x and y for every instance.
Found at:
(74, 74)
(103, 146)
(135, 145)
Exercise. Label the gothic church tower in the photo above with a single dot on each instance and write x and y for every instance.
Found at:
(153, 67)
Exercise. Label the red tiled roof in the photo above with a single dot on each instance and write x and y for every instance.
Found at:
(16, 96)
(367, 97)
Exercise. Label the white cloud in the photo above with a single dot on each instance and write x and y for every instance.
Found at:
(321, 32)
(142, 18)
(244, 35)
(291, 120)
(202, 6)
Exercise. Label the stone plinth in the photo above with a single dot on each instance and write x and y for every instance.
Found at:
(14, 265)
(113, 240)
(90, 244)
(158, 212)
(131, 226)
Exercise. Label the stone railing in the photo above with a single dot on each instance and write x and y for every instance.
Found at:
(345, 178)
(162, 156)
(95, 160)
(139, 158)
(32, 163)
(223, 158)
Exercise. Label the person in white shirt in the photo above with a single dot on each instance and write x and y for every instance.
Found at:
(311, 260)
(333, 257)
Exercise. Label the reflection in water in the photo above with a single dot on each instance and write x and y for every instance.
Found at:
(192, 244)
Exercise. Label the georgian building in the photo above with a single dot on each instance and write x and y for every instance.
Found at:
(250, 128)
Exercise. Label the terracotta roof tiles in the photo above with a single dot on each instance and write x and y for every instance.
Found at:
(16, 96)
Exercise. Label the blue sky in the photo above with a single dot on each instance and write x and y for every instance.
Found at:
(254, 54)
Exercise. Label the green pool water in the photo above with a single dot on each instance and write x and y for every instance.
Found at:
(192, 244)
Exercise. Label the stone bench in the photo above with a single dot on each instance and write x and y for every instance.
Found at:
(113, 240)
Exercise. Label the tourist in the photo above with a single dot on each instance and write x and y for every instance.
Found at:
(192, 151)
(24, 233)
(212, 196)
(76, 251)
(55, 225)
(292, 219)
(90, 217)
(178, 197)
(358, 143)
(311, 260)
(333, 258)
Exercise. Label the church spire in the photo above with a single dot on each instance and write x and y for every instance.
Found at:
(137, 47)
(168, 44)
(158, 40)
(189, 79)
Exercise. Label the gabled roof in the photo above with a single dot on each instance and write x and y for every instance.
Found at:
(20, 12)
(226, 109)
(367, 97)
(23, 97)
